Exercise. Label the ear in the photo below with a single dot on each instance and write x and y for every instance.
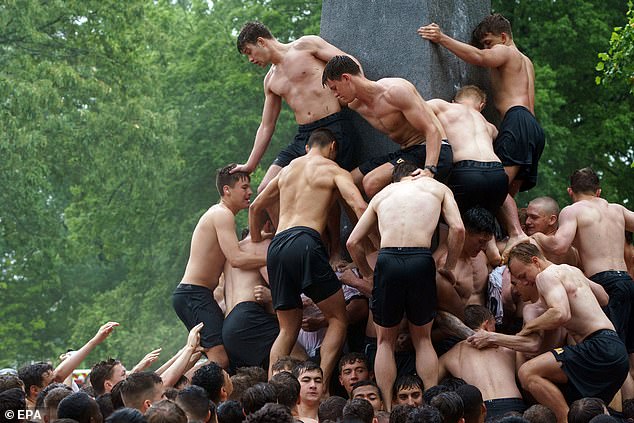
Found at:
(146, 405)
(107, 386)
(481, 106)
(307, 148)
(208, 416)
(225, 189)
(598, 193)
(505, 37)
(34, 390)
(260, 42)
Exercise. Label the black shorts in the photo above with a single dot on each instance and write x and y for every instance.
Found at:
(194, 304)
(483, 184)
(520, 142)
(297, 262)
(404, 282)
(620, 287)
(500, 406)
(248, 333)
(339, 123)
(596, 367)
(415, 154)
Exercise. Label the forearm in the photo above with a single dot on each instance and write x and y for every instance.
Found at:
(523, 343)
(168, 363)
(358, 257)
(450, 324)
(261, 143)
(553, 318)
(464, 51)
(433, 141)
(66, 367)
(178, 367)
(248, 261)
(455, 241)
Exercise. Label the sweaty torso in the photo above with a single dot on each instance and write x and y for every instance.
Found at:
(297, 79)
(513, 83)
(550, 339)
(239, 283)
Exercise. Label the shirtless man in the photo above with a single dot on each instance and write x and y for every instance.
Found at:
(520, 143)
(597, 365)
(297, 260)
(295, 77)
(213, 243)
(394, 107)
(405, 273)
(250, 326)
(477, 177)
(496, 382)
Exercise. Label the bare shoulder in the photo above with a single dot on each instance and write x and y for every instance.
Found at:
(438, 104)
(397, 88)
(309, 42)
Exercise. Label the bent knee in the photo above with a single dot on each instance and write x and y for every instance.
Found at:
(371, 185)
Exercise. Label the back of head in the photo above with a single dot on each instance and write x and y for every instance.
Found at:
(400, 412)
(287, 389)
(126, 415)
(424, 414)
(115, 396)
(471, 401)
(225, 177)
(628, 408)
(495, 24)
(450, 406)
(402, 170)
(105, 405)
(452, 382)
(138, 388)
(285, 363)
(33, 375)
(470, 91)
(165, 411)
(211, 378)
(12, 400)
(337, 66)
(331, 408)
(584, 409)
(479, 220)
(230, 412)
(100, 372)
(524, 252)
(320, 138)
(39, 401)
(271, 413)
(250, 33)
(256, 396)
(53, 398)
(540, 414)
(360, 409)
(10, 381)
(584, 181)
(429, 394)
(512, 419)
(194, 402)
(475, 315)
(254, 373)
(604, 418)
(80, 407)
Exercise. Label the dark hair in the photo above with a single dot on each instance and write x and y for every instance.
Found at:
(78, 406)
(286, 362)
(475, 315)
(170, 393)
(479, 220)
(471, 402)
(39, 401)
(400, 412)
(360, 409)
(138, 387)
(105, 405)
(250, 33)
(115, 395)
(584, 409)
(452, 382)
(165, 411)
(194, 401)
(494, 24)
(403, 169)
(211, 377)
(450, 406)
(331, 409)
(351, 358)
(306, 366)
(55, 396)
(230, 412)
(512, 419)
(628, 408)
(584, 181)
(429, 394)
(126, 415)
(361, 383)
(14, 400)
(406, 381)
(524, 252)
(101, 372)
(540, 414)
(604, 418)
(10, 381)
(337, 66)
(424, 413)
(321, 137)
(271, 413)
(32, 374)
(286, 387)
(470, 91)
(255, 373)
(182, 382)
(256, 396)
(225, 177)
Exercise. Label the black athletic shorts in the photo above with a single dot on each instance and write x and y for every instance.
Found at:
(520, 142)
(483, 184)
(297, 262)
(596, 367)
(620, 287)
(248, 334)
(404, 282)
(194, 304)
(339, 123)
(415, 154)
(498, 407)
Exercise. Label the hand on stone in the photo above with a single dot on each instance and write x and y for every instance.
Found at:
(430, 32)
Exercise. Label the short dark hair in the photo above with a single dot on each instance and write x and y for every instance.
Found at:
(271, 413)
(584, 409)
(115, 395)
(211, 377)
(471, 401)
(452, 382)
(10, 381)
(424, 413)
(138, 387)
(53, 397)
(256, 396)
(78, 406)
(400, 412)
(250, 33)
(100, 372)
(126, 415)
(337, 66)
(194, 401)
(39, 401)
(286, 362)
(405, 381)
(331, 408)
(494, 24)
(286, 387)
(479, 220)
(628, 408)
(361, 383)
(306, 366)
(538, 413)
(431, 393)
(12, 399)
(165, 411)
(475, 315)
(321, 137)
(358, 408)
(32, 375)
(403, 169)
(105, 405)
(471, 91)
(584, 181)
(230, 412)
(225, 177)
(351, 358)
(450, 406)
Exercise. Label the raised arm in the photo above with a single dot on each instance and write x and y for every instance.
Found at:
(355, 241)
(179, 366)
(257, 217)
(225, 226)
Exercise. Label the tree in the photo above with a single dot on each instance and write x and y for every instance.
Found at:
(618, 62)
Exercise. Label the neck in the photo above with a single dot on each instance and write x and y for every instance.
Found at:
(278, 51)
(366, 89)
(225, 203)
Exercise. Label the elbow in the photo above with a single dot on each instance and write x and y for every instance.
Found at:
(458, 231)
(352, 244)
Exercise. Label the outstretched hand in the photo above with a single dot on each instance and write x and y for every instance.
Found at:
(193, 340)
(147, 361)
(105, 331)
(430, 32)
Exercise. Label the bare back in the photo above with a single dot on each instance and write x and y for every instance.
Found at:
(297, 79)
(513, 82)
(239, 283)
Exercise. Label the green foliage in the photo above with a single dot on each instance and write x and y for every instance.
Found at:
(617, 64)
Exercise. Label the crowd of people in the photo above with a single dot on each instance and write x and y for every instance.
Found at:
(447, 304)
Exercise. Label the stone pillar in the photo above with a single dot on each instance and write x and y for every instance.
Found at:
(381, 34)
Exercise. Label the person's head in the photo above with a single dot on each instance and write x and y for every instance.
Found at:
(339, 75)
(494, 29)
(474, 409)
(400, 412)
(479, 317)
(525, 262)
(369, 391)
(479, 226)
(35, 377)
(605, 418)
(331, 409)
(452, 382)
(584, 409)
(450, 406)
(628, 408)
(538, 413)
(105, 374)
(230, 412)
(215, 380)
(51, 401)
(115, 396)
(584, 181)
(271, 413)
(10, 381)
(542, 214)
(358, 410)
(311, 381)
(12, 400)
(424, 413)
(126, 415)
(141, 390)
(234, 187)
(323, 139)
(408, 390)
(39, 401)
(195, 403)
(105, 405)
(402, 170)
(287, 389)
(253, 41)
(80, 407)
(165, 411)
(471, 96)
(352, 368)
(285, 364)
(182, 382)
(256, 396)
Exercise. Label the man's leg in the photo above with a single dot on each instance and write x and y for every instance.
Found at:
(377, 179)
(539, 376)
(384, 363)
(219, 355)
(426, 358)
(508, 214)
(290, 323)
(357, 177)
(334, 310)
